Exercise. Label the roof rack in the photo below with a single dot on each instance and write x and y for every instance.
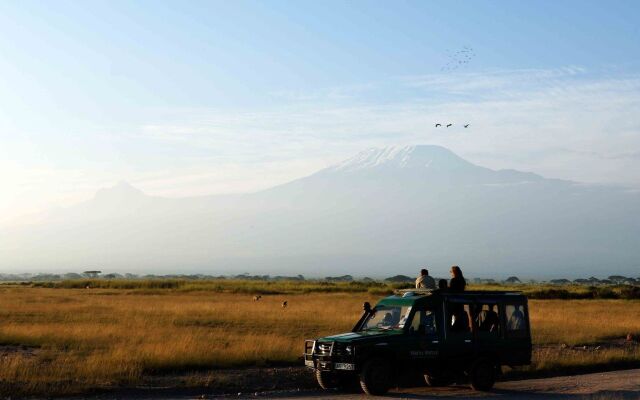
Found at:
(417, 292)
(427, 292)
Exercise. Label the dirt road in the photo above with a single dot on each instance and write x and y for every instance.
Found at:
(616, 385)
(601, 386)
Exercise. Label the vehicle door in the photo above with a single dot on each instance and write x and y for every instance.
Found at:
(424, 336)
(487, 326)
(516, 348)
(402, 346)
(458, 331)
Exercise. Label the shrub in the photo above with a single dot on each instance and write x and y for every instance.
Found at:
(630, 292)
(550, 294)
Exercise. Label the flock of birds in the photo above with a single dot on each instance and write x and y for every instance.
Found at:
(258, 297)
(459, 58)
(449, 125)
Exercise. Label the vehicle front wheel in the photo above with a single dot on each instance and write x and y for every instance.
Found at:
(375, 377)
(327, 379)
(482, 375)
(342, 382)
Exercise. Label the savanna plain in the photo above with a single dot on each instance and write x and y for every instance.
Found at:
(74, 337)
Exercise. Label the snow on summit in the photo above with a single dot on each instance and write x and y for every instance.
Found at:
(420, 156)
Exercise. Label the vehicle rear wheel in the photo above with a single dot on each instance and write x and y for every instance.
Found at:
(483, 375)
(435, 380)
(375, 377)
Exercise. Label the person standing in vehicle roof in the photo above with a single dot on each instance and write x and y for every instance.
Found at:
(457, 282)
(424, 281)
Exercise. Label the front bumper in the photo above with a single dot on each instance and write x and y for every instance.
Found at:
(323, 361)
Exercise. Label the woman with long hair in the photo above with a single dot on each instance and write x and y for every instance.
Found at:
(457, 282)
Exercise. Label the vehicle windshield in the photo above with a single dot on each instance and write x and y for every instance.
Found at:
(387, 317)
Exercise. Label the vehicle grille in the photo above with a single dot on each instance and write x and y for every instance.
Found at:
(324, 349)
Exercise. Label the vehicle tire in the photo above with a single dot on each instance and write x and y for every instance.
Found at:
(435, 380)
(349, 383)
(375, 377)
(327, 380)
(482, 375)
(343, 382)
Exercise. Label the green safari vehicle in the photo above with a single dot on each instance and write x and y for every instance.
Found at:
(439, 334)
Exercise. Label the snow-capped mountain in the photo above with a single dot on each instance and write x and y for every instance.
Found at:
(424, 161)
(407, 157)
(381, 212)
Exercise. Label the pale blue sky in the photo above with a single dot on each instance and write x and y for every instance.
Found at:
(184, 98)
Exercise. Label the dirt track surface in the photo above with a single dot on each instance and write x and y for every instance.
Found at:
(601, 386)
(614, 385)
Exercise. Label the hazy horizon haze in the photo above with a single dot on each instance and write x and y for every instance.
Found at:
(381, 212)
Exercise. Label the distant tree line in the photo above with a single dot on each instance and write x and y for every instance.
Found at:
(95, 274)
(593, 281)
(114, 275)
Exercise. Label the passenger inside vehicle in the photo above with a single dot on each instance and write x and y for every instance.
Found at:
(459, 319)
(516, 320)
(487, 319)
(423, 322)
(387, 320)
(385, 317)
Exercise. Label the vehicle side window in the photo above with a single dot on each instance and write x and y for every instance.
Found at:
(424, 322)
(459, 317)
(487, 318)
(516, 321)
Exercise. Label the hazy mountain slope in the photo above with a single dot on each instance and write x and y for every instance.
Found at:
(378, 213)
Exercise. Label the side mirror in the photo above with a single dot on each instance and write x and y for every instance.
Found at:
(367, 311)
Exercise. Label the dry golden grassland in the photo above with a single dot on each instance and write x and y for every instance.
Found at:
(67, 340)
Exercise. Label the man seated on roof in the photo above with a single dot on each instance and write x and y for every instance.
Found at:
(424, 281)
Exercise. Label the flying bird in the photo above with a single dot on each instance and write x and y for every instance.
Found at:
(437, 125)
(448, 125)
(466, 126)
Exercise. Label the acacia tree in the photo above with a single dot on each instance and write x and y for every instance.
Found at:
(617, 278)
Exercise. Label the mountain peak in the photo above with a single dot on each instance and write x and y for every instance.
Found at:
(403, 157)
